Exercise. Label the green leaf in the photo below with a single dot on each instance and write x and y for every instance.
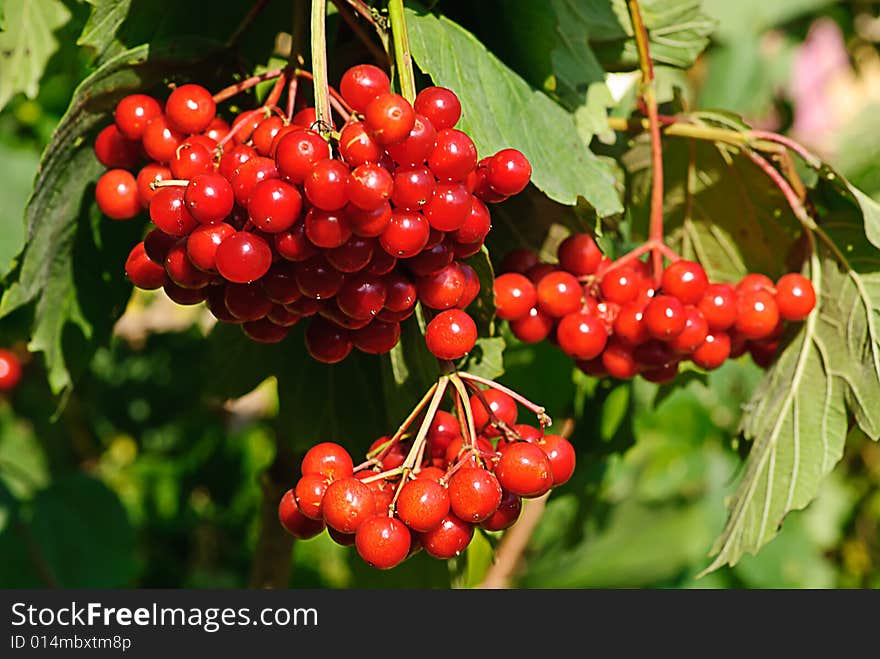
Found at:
(487, 358)
(501, 110)
(18, 176)
(719, 207)
(71, 266)
(27, 43)
(482, 310)
(83, 534)
(99, 32)
(747, 17)
(798, 416)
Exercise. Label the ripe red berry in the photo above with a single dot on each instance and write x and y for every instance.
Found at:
(357, 146)
(443, 289)
(246, 302)
(362, 296)
(264, 135)
(524, 469)
(509, 172)
(515, 295)
(474, 494)
(476, 225)
(579, 254)
(134, 112)
(298, 153)
(190, 109)
(454, 156)
(248, 175)
(117, 195)
(534, 327)
(377, 338)
(347, 504)
(113, 149)
(326, 342)
(389, 118)
(297, 524)
(406, 234)
(209, 198)
(361, 84)
(620, 285)
(581, 335)
(440, 105)
(327, 229)
(243, 257)
(233, 159)
(141, 271)
(202, 244)
(694, 333)
(718, 306)
(274, 205)
(415, 148)
(507, 513)
(665, 317)
(795, 296)
(369, 186)
(294, 245)
(451, 334)
(755, 282)
(448, 539)
(383, 542)
(422, 504)
(559, 294)
(618, 360)
(329, 460)
(685, 280)
(326, 185)
(182, 271)
(309, 495)
(150, 173)
(714, 350)
(413, 188)
(756, 314)
(561, 455)
(317, 279)
(503, 408)
(168, 212)
(160, 140)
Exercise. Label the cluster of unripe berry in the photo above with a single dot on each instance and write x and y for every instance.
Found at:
(617, 319)
(272, 220)
(390, 510)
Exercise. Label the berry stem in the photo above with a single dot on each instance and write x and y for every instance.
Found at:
(539, 411)
(410, 461)
(385, 446)
(380, 54)
(644, 248)
(319, 67)
(291, 97)
(247, 83)
(277, 89)
(649, 96)
(169, 183)
(506, 430)
(402, 56)
(245, 119)
(345, 110)
(470, 439)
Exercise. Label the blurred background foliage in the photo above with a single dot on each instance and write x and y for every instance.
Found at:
(148, 477)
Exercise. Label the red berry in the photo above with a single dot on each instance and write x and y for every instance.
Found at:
(317, 279)
(329, 460)
(422, 504)
(476, 225)
(134, 112)
(353, 255)
(685, 280)
(665, 317)
(618, 360)
(209, 198)
(274, 205)
(449, 207)
(534, 327)
(581, 335)
(519, 260)
(297, 524)
(756, 314)
(503, 408)
(443, 289)
(451, 334)
(474, 494)
(561, 455)
(448, 539)
(415, 148)
(471, 286)
(264, 135)
(234, 159)
(309, 495)
(184, 296)
(369, 186)
(357, 146)
(377, 338)
(151, 173)
(718, 306)
(293, 244)
(507, 513)
(795, 296)
(327, 229)
(347, 504)
(248, 175)
(755, 282)
(620, 285)
(141, 271)
(714, 350)
(454, 156)
(113, 149)
(182, 271)
(168, 212)
(160, 140)
(413, 188)
(509, 172)
(190, 108)
(383, 542)
(117, 195)
(389, 118)
(559, 294)
(361, 84)
(579, 254)
(326, 342)
(243, 257)
(368, 224)
(406, 234)
(440, 105)
(326, 185)
(246, 302)
(629, 326)
(524, 469)
(362, 296)
(694, 333)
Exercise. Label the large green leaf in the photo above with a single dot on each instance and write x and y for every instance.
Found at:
(99, 32)
(798, 418)
(72, 264)
(18, 176)
(27, 43)
(501, 110)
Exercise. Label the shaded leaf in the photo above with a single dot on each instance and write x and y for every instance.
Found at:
(27, 43)
(501, 110)
(487, 358)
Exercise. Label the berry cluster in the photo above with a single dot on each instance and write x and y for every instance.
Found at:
(270, 221)
(617, 319)
(390, 510)
(10, 370)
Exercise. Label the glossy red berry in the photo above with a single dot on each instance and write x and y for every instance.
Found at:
(502, 407)
(620, 285)
(347, 504)
(534, 327)
(329, 460)
(243, 257)
(327, 229)
(561, 455)
(440, 105)
(509, 172)
(369, 186)
(297, 524)
(795, 296)
(757, 314)
(362, 296)
(415, 148)
(182, 271)
(326, 342)
(309, 495)
(449, 207)
(202, 244)
(389, 118)
(209, 198)
(579, 254)
(755, 282)
(474, 494)
(454, 156)
(377, 338)
(524, 469)
(714, 350)
(113, 149)
(451, 334)
(665, 317)
(685, 280)
(507, 513)
(294, 245)
(246, 302)
(134, 112)
(357, 146)
(361, 84)
(298, 153)
(443, 289)
(423, 504)
(413, 188)
(559, 294)
(326, 185)
(581, 335)
(718, 306)
(141, 271)
(151, 173)
(274, 205)
(694, 333)
(190, 108)
(117, 195)
(618, 360)
(248, 175)
(406, 234)
(160, 140)
(383, 542)
(476, 225)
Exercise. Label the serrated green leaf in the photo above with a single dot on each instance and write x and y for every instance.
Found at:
(99, 32)
(798, 416)
(487, 358)
(72, 264)
(27, 43)
(501, 110)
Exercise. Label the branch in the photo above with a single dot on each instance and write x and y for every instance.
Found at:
(320, 82)
(402, 56)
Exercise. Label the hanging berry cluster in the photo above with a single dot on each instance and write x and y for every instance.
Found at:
(277, 218)
(617, 319)
(430, 492)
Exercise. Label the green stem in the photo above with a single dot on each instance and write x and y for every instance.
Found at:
(319, 67)
(402, 56)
